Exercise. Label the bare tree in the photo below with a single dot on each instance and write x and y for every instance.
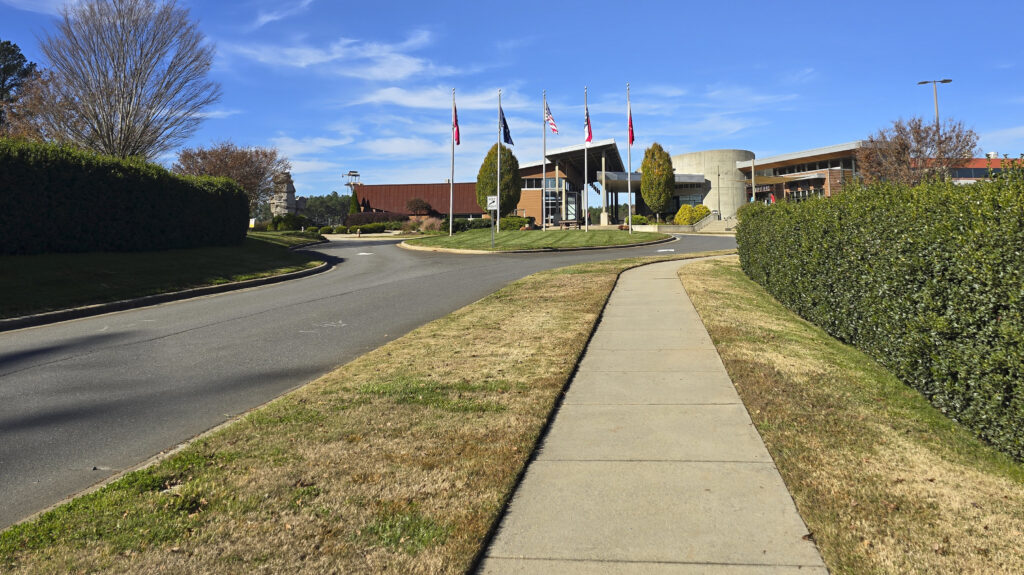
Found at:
(913, 150)
(252, 167)
(127, 77)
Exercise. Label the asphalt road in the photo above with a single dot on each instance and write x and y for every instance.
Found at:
(84, 399)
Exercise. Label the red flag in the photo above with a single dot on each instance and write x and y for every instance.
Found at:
(588, 133)
(455, 122)
(629, 107)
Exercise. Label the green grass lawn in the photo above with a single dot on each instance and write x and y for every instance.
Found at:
(46, 282)
(536, 239)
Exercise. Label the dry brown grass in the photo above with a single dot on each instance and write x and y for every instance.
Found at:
(884, 481)
(398, 462)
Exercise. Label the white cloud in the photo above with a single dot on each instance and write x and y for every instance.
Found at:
(264, 18)
(219, 114)
(41, 6)
(440, 98)
(800, 76)
(314, 145)
(1006, 141)
(350, 57)
(405, 147)
(741, 98)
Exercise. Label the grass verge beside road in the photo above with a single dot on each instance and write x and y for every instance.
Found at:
(885, 482)
(39, 283)
(398, 462)
(509, 240)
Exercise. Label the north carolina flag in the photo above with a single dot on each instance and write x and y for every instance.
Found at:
(629, 107)
(455, 122)
(589, 135)
(506, 135)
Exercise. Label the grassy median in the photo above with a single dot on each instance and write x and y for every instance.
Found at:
(398, 462)
(46, 282)
(509, 240)
(885, 482)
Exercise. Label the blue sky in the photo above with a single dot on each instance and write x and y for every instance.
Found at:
(339, 86)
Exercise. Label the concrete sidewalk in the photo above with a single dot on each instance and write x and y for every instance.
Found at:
(652, 464)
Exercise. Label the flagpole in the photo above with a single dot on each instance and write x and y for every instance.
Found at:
(498, 214)
(452, 181)
(629, 156)
(544, 164)
(586, 145)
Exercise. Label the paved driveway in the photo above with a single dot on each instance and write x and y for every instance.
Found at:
(84, 399)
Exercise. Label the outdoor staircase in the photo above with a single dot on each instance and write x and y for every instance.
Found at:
(726, 226)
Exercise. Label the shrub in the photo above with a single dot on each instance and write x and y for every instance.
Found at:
(926, 279)
(313, 230)
(289, 222)
(431, 225)
(515, 222)
(639, 220)
(373, 217)
(689, 215)
(394, 225)
(102, 203)
(259, 227)
(419, 207)
(340, 230)
(700, 211)
(367, 228)
(463, 224)
(684, 216)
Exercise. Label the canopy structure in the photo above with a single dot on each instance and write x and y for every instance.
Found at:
(570, 158)
(617, 182)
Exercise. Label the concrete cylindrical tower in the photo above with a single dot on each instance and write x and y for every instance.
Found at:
(725, 192)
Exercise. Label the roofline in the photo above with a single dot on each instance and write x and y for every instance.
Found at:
(847, 147)
(575, 148)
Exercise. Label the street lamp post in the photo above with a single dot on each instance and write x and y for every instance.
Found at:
(935, 93)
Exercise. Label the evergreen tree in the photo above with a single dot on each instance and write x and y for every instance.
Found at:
(658, 179)
(511, 181)
(353, 206)
(15, 70)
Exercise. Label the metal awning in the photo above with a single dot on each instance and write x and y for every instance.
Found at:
(570, 159)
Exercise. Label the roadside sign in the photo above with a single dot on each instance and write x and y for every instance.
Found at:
(492, 203)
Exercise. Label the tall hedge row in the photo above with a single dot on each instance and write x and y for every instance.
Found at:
(928, 280)
(58, 199)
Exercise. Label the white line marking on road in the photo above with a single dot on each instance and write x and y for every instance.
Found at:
(105, 328)
(365, 254)
(305, 331)
(672, 250)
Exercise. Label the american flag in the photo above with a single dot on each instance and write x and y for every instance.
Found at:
(550, 118)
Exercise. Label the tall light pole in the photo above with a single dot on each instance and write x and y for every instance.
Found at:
(935, 92)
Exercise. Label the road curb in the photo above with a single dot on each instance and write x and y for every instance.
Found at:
(102, 308)
(412, 247)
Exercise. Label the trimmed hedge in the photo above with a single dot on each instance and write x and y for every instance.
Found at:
(100, 203)
(927, 280)
(515, 222)
(373, 218)
(463, 224)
